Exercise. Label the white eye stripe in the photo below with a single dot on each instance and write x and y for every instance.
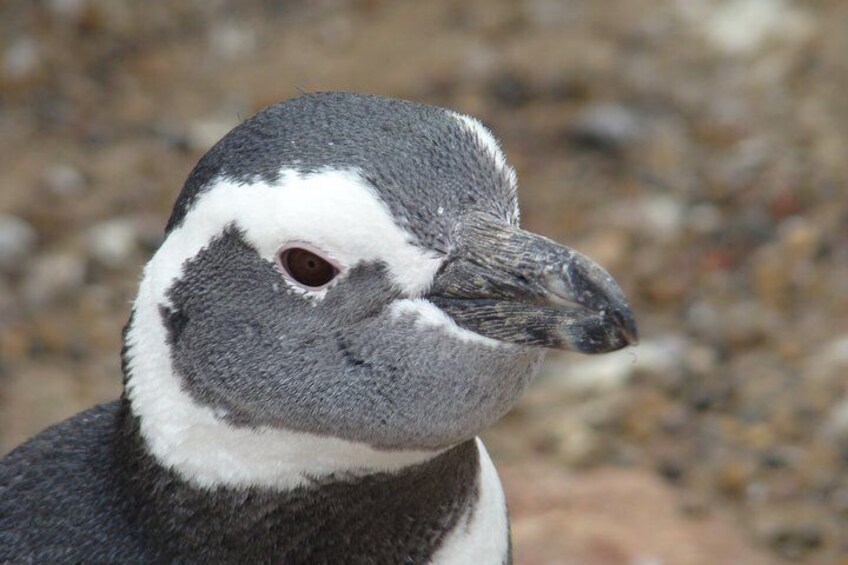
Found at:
(333, 210)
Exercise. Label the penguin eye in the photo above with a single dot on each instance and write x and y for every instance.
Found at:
(307, 268)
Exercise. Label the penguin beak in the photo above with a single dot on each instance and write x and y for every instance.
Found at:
(518, 287)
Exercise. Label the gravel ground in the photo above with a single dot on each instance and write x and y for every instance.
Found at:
(696, 148)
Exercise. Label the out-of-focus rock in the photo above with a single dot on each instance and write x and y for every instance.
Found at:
(52, 276)
(595, 375)
(613, 370)
(740, 27)
(230, 41)
(112, 243)
(549, 13)
(63, 180)
(9, 309)
(608, 127)
(799, 237)
(573, 442)
(509, 89)
(704, 219)
(660, 217)
(836, 422)
(791, 533)
(748, 322)
(68, 11)
(828, 362)
(17, 241)
(21, 60)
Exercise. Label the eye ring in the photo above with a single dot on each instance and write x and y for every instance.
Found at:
(306, 266)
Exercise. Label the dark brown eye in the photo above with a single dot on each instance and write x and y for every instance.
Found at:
(307, 268)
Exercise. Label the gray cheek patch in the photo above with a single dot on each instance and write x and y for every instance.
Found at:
(344, 366)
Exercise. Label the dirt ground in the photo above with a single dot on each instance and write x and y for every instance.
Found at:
(698, 149)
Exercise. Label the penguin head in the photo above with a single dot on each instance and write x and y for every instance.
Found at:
(351, 267)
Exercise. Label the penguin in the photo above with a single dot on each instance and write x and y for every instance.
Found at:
(342, 302)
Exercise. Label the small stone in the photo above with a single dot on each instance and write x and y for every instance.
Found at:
(63, 180)
(733, 476)
(112, 243)
(671, 470)
(795, 541)
(17, 241)
(704, 219)
(575, 444)
(52, 276)
(510, 90)
(828, 362)
(9, 309)
(599, 374)
(606, 127)
(662, 356)
(740, 27)
(230, 42)
(22, 59)
(748, 322)
(799, 237)
(70, 11)
(704, 319)
(658, 216)
(836, 422)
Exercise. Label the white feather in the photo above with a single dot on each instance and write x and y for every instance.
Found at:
(482, 535)
(428, 314)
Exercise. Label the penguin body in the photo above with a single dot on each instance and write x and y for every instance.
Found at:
(342, 302)
(96, 496)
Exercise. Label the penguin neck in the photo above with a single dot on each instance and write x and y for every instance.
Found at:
(399, 516)
(211, 453)
(206, 450)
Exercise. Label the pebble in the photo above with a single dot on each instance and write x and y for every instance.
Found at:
(830, 361)
(21, 60)
(112, 242)
(836, 422)
(63, 180)
(9, 309)
(17, 241)
(800, 237)
(704, 219)
(231, 42)
(52, 276)
(658, 216)
(794, 540)
(661, 356)
(574, 443)
(598, 374)
(742, 27)
(69, 11)
(509, 90)
(606, 127)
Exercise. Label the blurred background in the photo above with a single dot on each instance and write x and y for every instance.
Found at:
(698, 149)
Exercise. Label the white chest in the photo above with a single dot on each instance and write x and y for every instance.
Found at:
(482, 536)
